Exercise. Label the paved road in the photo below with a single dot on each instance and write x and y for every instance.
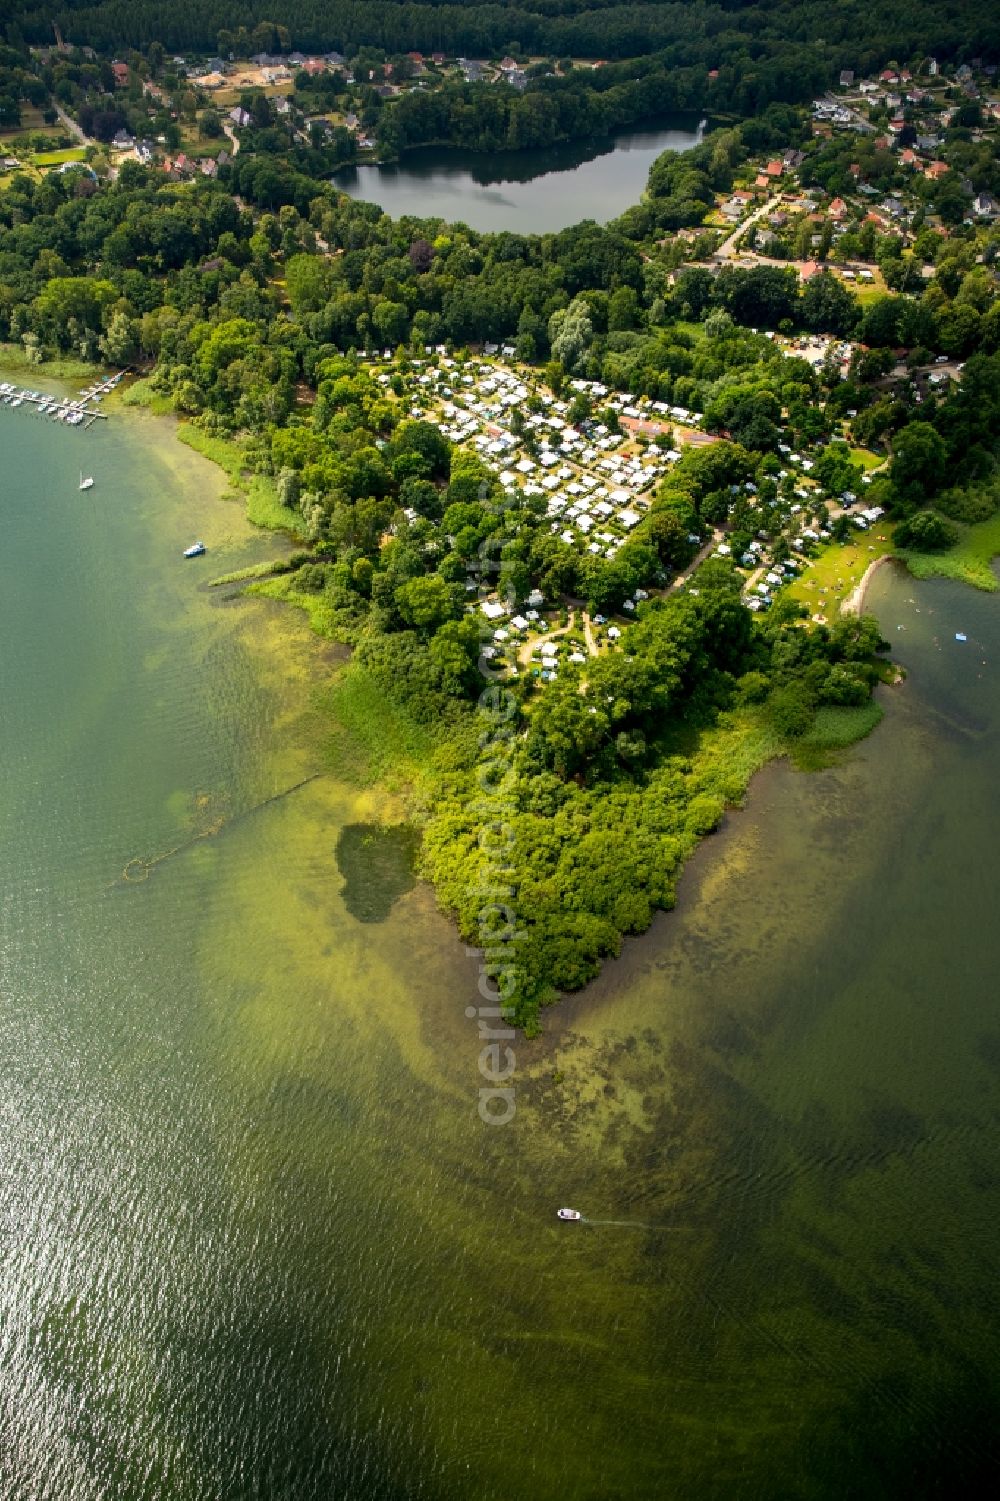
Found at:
(74, 129)
(728, 247)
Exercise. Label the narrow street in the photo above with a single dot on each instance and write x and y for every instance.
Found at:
(727, 249)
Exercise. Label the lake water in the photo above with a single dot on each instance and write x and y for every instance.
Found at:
(256, 1242)
(528, 192)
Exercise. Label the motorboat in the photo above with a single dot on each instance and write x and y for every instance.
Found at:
(569, 1214)
(195, 550)
(88, 483)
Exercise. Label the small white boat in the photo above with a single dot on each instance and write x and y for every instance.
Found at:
(569, 1214)
(195, 550)
(88, 483)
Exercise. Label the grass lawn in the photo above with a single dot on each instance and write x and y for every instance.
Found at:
(868, 292)
(838, 569)
(969, 560)
(866, 458)
(31, 120)
(57, 158)
(695, 330)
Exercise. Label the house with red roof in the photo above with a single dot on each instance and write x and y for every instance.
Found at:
(120, 71)
(936, 170)
(837, 209)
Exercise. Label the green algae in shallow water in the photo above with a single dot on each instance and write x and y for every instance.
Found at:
(378, 865)
(242, 1133)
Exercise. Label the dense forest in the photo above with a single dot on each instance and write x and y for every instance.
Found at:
(298, 331)
(253, 299)
(709, 36)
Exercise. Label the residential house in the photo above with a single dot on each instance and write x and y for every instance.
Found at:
(985, 206)
(936, 170)
(774, 169)
(120, 73)
(122, 141)
(837, 209)
(239, 116)
(846, 78)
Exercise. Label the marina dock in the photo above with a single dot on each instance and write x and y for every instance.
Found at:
(80, 411)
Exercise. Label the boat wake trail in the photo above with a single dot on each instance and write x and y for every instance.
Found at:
(631, 1224)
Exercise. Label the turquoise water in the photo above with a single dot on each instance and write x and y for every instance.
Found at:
(256, 1241)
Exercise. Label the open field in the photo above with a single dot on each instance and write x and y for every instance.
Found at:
(58, 158)
(838, 569)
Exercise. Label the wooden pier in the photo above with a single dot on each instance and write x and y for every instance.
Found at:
(81, 411)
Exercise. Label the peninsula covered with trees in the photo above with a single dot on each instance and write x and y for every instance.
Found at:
(605, 485)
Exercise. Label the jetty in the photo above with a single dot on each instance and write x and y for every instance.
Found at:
(82, 410)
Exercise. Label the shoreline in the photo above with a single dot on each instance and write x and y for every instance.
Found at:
(748, 747)
(854, 602)
(678, 121)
